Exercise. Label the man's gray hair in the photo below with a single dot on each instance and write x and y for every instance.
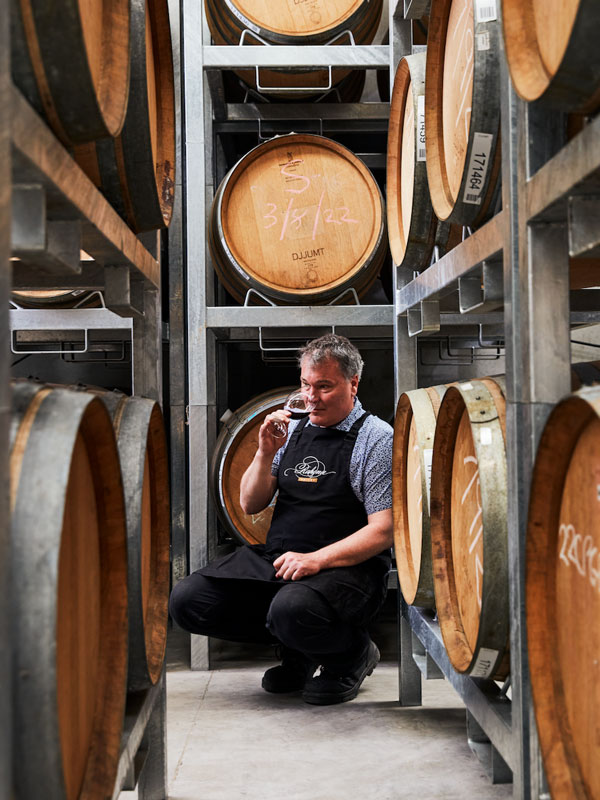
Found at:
(337, 348)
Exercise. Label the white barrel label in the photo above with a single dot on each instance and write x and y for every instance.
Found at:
(478, 168)
(486, 10)
(486, 661)
(421, 127)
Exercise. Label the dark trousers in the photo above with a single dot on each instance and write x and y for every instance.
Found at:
(292, 614)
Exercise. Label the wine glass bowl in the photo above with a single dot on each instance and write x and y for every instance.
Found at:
(299, 405)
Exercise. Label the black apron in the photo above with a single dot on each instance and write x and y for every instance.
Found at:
(316, 506)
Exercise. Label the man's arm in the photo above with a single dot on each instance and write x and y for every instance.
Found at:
(375, 536)
(258, 486)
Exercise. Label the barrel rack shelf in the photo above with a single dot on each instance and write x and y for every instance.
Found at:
(44, 191)
(516, 266)
(486, 281)
(207, 117)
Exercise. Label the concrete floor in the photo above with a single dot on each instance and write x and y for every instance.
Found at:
(228, 739)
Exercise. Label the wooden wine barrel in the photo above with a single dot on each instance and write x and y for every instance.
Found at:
(292, 23)
(69, 564)
(234, 450)
(410, 218)
(468, 527)
(139, 428)
(462, 110)
(300, 219)
(55, 298)
(552, 51)
(71, 61)
(562, 595)
(136, 170)
(414, 431)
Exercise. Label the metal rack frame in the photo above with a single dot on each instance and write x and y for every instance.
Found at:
(548, 213)
(205, 322)
(527, 240)
(5, 572)
(70, 214)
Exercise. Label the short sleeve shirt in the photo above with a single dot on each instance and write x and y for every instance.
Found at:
(371, 460)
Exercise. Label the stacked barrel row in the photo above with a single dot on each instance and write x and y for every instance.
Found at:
(444, 151)
(246, 22)
(101, 75)
(90, 566)
(451, 546)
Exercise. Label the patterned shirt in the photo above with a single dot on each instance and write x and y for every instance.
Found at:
(371, 460)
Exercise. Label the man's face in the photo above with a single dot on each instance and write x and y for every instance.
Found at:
(332, 393)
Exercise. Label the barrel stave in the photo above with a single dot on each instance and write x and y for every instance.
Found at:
(482, 650)
(463, 178)
(414, 431)
(234, 450)
(552, 52)
(50, 707)
(78, 80)
(562, 599)
(285, 234)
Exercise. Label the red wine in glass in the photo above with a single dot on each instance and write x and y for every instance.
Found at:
(299, 406)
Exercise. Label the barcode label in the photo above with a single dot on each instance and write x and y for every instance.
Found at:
(486, 661)
(421, 127)
(478, 168)
(486, 10)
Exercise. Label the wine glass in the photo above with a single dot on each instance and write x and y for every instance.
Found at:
(299, 405)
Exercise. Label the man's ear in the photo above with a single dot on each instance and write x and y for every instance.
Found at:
(354, 384)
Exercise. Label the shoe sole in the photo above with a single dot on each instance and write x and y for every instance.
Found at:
(321, 699)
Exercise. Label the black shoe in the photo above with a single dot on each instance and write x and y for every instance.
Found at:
(328, 688)
(290, 675)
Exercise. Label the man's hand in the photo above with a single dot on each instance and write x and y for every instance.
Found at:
(294, 566)
(268, 443)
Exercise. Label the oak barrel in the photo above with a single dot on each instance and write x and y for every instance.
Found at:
(69, 562)
(70, 59)
(141, 439)
(55, 298)
(562, 595)
(410, 218)
(292, 23)
(468, 527)
(552, 51)
(234, 450)
(413, 228)
(300, 219)
(136, 170)
(462, 110)
(414, 431)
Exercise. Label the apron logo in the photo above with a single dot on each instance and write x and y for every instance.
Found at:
(309, 470)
